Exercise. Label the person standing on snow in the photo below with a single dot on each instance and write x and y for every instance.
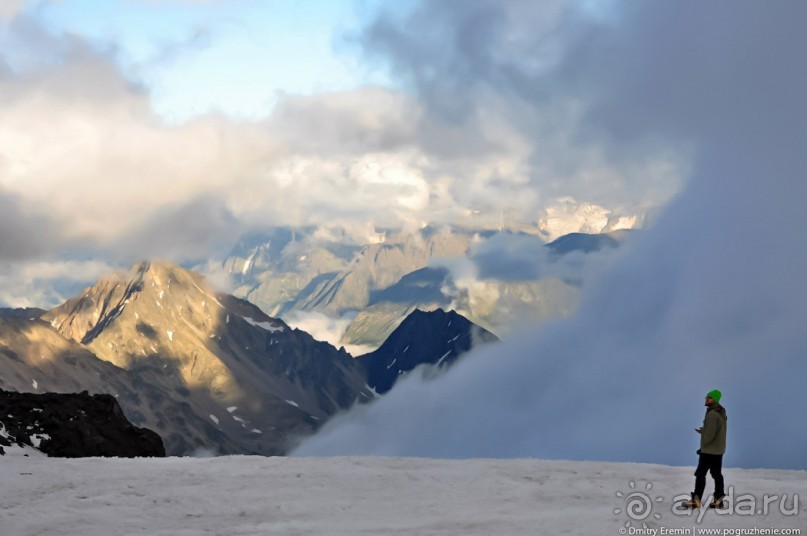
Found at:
(713, 446)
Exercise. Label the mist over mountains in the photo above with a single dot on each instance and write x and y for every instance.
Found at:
(496, 172)
(711, 297)
(210, 373)
(499, 279)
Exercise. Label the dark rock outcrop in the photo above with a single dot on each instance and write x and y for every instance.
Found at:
(74, 426)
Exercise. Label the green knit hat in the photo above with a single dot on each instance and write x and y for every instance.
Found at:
(715, 395)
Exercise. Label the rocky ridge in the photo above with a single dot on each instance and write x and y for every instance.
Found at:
(73, 426)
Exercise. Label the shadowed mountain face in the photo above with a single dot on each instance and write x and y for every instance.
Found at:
(202, 369)
(24, 312)
(437, 338)
(585, 243)
(421, 289)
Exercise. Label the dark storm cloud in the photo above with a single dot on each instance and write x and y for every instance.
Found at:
(183, 231)
(26, 231)
(483, 65)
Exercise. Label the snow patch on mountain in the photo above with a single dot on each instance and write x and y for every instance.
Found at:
(263, 325)
(567, 215)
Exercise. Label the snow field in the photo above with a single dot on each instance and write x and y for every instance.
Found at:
(245, 495)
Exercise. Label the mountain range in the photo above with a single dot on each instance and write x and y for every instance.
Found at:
(208, 370)
(205, 370)
(293, 272)
(201, 368)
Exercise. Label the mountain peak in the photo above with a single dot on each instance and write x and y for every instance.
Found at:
(162, 270)
(161, 275)
(153, 284)
(424, 337)
(214, 353)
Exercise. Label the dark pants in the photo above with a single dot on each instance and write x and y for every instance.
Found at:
(712, 463)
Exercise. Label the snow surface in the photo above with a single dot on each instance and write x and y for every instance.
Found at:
(263, 325)
(16, 451)
(245, 495)
(248, 262)
(36, 439)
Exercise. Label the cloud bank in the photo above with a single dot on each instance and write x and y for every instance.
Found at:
(711, 297)
(80, 139)
(10, 8)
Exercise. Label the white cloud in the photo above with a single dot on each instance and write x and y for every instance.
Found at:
(47, 284)
(326, 328)
(10, 8)
(385, 175)
(217, 275)
(81, 141)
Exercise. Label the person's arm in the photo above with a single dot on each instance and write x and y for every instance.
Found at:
(711, 424)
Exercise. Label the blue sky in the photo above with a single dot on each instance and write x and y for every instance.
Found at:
(232, 57)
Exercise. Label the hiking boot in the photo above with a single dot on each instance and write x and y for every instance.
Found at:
(694, 502)
(717, 502)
